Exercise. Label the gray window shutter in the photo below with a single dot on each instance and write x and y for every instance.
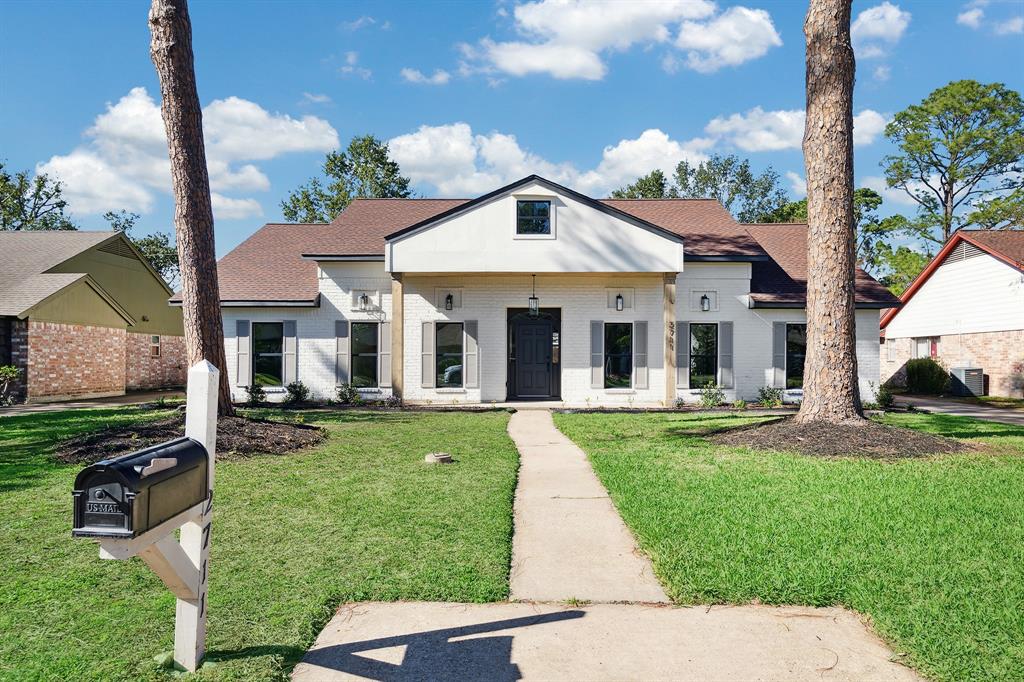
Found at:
(428, 378)
(726, 379)
(341, 352)
(472, 353)
(384, 355)
(682, 354)
(243, 353)
(640, 355)
(596, 354)
(289, 355)
(779, 354)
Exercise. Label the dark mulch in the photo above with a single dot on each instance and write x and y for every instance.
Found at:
(236, 437)
(866, 439)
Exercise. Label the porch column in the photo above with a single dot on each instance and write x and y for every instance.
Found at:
(669, 323)
(397, 334)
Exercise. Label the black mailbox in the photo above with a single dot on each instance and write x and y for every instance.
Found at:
(126, 496)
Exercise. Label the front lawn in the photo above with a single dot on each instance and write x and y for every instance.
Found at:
(360, 517)
(931, 549)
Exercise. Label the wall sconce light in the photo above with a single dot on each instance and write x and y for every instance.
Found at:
(705, 303)
(620, 303)
(364, 302)
(449, 302)
(533, 303)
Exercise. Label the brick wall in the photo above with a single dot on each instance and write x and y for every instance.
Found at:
(1000, 354)
(15, 333)
(144, 371)
(73, 361)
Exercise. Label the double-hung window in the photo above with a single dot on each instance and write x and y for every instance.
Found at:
(703, 354)
(364, 354)
(618, 355)
(448, 361)
(267, 353)
(796, 351)
(154, 346)
(533, 217)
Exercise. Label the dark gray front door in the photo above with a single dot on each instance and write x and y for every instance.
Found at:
(533, 358)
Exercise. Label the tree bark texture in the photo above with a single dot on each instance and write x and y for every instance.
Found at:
(171, 51)
(831, 393)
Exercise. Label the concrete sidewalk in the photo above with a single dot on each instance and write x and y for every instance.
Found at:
(569, 541)
(1005, 415)
(430, 641)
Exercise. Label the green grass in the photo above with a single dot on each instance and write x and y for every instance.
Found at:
(931, 549)
(361, 517)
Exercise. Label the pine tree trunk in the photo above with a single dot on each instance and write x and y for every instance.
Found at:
(171, 51)
(831, 393)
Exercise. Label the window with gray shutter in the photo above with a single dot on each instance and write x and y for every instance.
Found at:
(640, 370)
(597, 353)
(472, 354)
(289, 354)
(384, 355)
(428, 378)
(341, 351)
(682, 354)
(779, 354)
(243, 357)
(725, 370)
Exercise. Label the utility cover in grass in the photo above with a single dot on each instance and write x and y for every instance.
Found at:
(865, 439)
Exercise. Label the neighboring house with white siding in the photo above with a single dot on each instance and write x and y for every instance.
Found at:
(531, 292)
(966, 309)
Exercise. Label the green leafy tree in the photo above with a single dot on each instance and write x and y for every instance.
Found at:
(654, 185)
(1000, 212)
(365, 169)
(900, 266)
(32, 203)
(961, 147)
(158, 248)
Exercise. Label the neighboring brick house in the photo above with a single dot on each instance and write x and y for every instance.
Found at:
(638, 302)
(966, 309)
(83, 314)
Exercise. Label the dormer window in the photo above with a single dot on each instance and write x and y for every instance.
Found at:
(533, 216)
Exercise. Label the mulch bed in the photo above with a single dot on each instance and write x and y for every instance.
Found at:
(865, 439)
(237, 437)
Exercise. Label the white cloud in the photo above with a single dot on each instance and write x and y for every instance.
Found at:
(356, 24)
(892, 194)
(352, 68)
(878, 28)
(882, 72)
(1010, 26)
(124, 162)
(315, 98)
(440, 76)
(227, 208)
(758, 130)
(457, 162)
(569, 38)
(797, 184)
(737, 35)
(971, 17)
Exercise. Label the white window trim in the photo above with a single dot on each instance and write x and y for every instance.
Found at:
(158, 345)
(252, 353)
(785, 359)
(451, 389)
(718, 353)
(551, 199)
(632, 358)
(352, 355)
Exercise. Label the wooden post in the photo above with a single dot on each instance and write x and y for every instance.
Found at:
(669, 322)
(397, 334)
(201, 425)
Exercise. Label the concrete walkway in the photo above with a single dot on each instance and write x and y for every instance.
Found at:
(1006, 415)
(130, 398)
(569, 542)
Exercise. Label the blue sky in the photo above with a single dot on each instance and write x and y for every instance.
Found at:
(471, 95)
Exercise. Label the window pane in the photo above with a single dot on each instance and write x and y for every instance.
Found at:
(618, 355)
(533, 217)
(267, 370)
(796, 351)
(703, 355)
(364, 371)
(267, 337)
(364, 337)
(449, 337)
(449, 354)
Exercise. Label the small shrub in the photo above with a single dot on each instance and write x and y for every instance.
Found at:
(298, 393)
(711, 395)
(680, 403)
(770, 396)
(8, 375)
(885, 398)
(255, 395)
(924, 375)
(393, 401)
(739, 404)
(347, 394)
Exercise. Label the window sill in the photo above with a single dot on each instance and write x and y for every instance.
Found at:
(369, 389)
(533, 236)
(450, 390)
(274, 389)
(620, 391)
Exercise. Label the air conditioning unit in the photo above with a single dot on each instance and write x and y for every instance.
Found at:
(967, 381)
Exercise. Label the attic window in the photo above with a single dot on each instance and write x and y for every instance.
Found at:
(533, 216)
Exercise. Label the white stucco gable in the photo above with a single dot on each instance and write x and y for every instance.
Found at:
(585, 236)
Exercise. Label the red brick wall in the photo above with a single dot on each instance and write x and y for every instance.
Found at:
(73, 360)
(16, 353)
(143, 371)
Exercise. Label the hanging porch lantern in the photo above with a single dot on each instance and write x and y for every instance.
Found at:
(705, 303)
(364, 302)
(533, 303)
(449, 302)
(620, 303)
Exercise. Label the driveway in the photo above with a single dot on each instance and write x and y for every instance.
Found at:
(958, 408)
(130, 398)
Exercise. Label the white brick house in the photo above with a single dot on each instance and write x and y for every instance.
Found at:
(532, 291)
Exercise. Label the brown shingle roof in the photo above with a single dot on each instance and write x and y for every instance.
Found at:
(783, 279)
(1008, 243)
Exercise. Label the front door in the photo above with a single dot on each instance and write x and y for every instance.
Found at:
(533, 363)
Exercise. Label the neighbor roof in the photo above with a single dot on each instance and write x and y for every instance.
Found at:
(27, 257)
(1006, 245)
(782, 281)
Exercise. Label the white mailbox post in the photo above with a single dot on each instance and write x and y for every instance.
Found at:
(182, 566)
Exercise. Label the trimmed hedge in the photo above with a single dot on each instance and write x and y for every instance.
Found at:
(924, 375)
